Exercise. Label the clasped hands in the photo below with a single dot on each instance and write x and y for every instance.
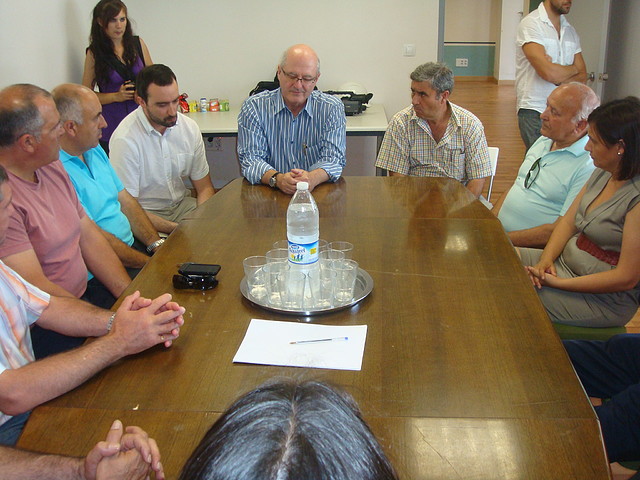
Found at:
(542, 274)
(143, 323)
(287, 181)
(124, 455)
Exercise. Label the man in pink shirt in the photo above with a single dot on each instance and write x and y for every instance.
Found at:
(137, 325)
(49, 241)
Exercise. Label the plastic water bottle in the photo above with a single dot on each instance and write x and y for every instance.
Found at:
(303, 230)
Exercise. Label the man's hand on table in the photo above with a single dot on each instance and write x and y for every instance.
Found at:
(124, 455)
(141, 323)
(287, 181)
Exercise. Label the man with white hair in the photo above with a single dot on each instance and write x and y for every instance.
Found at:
(553, 171)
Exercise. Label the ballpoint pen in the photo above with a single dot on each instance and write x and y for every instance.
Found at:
(336, 339)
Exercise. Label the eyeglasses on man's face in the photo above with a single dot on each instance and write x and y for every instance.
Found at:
(532, 174)
(294, 77)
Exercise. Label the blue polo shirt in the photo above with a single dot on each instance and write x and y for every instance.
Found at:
(97, 186)
(562, 174)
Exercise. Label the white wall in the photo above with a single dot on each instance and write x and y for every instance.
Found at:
(510, 14)
(223, 48)
(43, 41)
(467, 21)
(623, 64)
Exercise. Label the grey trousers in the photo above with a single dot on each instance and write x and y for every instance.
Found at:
(581, 309)
(529, 124)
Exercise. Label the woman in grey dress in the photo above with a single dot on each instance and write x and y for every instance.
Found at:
(589, 272)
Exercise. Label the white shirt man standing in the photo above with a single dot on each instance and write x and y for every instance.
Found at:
(548, 54)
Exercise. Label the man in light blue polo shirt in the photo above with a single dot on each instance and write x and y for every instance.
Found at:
(99, 189)
(553, 171)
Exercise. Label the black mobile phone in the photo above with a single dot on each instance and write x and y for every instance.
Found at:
(194, 282)
(198, 269)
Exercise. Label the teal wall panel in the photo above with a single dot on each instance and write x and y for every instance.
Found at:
(481, 59)
(533, 4)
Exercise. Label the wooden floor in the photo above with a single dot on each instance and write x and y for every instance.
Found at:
(495, 106)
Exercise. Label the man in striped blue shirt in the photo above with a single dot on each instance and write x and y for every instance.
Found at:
(292, 134)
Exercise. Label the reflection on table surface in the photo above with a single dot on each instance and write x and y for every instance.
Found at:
(463, 375)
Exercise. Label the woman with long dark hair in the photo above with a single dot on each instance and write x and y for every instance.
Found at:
(114, 58)
(589, 272)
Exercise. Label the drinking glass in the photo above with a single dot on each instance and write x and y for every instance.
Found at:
(281, 244)
(272, 271)
(327, 257)
(277, 255)
(322, 245)
(344, 247)
(291, 284)
(346, 274)
(255, 275)
(321, 283)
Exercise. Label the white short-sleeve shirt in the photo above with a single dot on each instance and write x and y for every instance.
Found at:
(153, 166)
(531, 89)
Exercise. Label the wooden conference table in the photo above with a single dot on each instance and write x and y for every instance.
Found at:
(463, 375)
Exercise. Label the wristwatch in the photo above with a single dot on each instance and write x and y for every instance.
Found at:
(155, 245)
(273, 181)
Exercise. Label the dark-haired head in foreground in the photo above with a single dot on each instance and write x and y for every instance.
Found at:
(285, 430)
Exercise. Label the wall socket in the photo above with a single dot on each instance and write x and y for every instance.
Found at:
(213, 144)
(462, 62)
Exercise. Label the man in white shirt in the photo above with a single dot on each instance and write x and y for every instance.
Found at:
(548, 54)
(155, 148)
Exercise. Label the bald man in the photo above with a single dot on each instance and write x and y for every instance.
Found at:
(553, 171)
(294, 133)
(50, 241)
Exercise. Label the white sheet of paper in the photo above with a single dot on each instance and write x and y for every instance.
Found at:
(267, 342)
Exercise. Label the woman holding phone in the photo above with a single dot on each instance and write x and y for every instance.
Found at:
(114, 58)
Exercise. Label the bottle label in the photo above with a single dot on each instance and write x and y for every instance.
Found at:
(303, 253)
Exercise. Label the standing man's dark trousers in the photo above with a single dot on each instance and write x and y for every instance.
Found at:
(529, 123)
(611, 370)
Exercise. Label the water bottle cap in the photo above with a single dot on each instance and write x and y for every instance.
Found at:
(302, 186)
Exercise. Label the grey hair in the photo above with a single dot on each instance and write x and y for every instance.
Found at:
(589, 101)
(21, 117)
(283, 60)
(68, 104)
(3, 177)
(285, 430)
(437, 74)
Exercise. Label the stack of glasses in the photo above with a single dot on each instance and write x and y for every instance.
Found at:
(273, 281)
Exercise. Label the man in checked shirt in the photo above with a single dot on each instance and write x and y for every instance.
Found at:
(433, 137)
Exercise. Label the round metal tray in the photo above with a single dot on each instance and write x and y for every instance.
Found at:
(364, 285)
